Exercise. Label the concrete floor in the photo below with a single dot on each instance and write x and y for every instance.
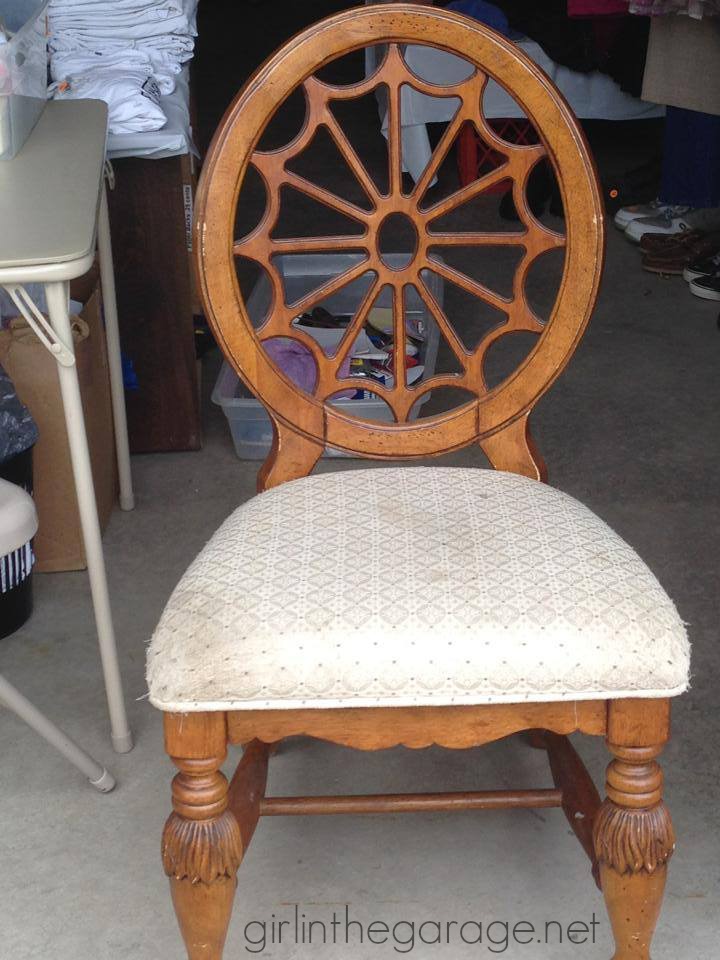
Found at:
(631, 429)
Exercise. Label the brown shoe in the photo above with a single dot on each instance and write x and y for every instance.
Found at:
(672, 259)
(663, 243)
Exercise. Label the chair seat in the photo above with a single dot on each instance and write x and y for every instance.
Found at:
(409, 587)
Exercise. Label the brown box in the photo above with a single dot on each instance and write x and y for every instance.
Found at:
(58, 544)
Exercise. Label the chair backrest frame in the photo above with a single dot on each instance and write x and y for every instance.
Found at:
(493, 413)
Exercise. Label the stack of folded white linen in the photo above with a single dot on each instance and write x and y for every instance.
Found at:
(126, 52)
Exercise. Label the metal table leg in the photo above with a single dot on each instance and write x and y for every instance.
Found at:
(94, 771)
(57, 301)
(107, 279)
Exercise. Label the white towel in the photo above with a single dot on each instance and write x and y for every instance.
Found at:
(125, 26)
(132, 96)
(174, 44)
(162, 66)
(97, 11)
(92, 6)
(72, 63)
(126, 52)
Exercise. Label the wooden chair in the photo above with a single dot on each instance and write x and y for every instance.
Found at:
(486, 602)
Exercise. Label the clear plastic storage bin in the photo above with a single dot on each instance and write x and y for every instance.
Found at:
(247, 418)
(23, 71)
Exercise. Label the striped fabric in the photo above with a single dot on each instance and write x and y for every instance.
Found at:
(15, 567)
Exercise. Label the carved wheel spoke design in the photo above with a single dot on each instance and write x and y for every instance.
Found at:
(372, 212)
(533, 238)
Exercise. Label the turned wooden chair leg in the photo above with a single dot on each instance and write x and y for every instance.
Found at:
(201, 845)
(634, 840)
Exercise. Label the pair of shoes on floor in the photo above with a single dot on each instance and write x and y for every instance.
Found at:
(662, 219)
(672, 254)
(703, 275)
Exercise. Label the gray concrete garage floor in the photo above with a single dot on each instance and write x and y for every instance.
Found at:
(632, 430)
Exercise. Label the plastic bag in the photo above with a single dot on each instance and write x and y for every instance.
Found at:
(18, 430)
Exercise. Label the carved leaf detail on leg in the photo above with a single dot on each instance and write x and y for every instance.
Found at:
(201, 850)
(633, 841)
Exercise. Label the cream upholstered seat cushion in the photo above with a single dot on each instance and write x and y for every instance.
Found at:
(414, 586)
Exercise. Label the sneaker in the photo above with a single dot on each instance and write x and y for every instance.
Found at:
(706, 287)
(700, 267)
(655, 208)
(668, 224)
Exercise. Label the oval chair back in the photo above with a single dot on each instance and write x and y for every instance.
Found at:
(305, 421)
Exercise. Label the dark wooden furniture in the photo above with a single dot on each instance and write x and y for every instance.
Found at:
(150, 215)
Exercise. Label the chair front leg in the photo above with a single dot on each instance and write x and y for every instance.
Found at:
(201, 845)
(634, 840)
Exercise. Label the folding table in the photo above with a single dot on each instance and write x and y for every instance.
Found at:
(53, 210)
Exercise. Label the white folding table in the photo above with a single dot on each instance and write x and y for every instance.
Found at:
(53, 211)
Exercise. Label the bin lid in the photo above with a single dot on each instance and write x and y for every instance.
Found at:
(18, 517)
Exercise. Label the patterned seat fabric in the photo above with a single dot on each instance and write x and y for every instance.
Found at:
(414, 586)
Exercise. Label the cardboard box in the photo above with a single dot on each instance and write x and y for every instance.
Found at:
(58, 544)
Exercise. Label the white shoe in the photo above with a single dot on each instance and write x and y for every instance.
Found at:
(625, 215)
(664, 225)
